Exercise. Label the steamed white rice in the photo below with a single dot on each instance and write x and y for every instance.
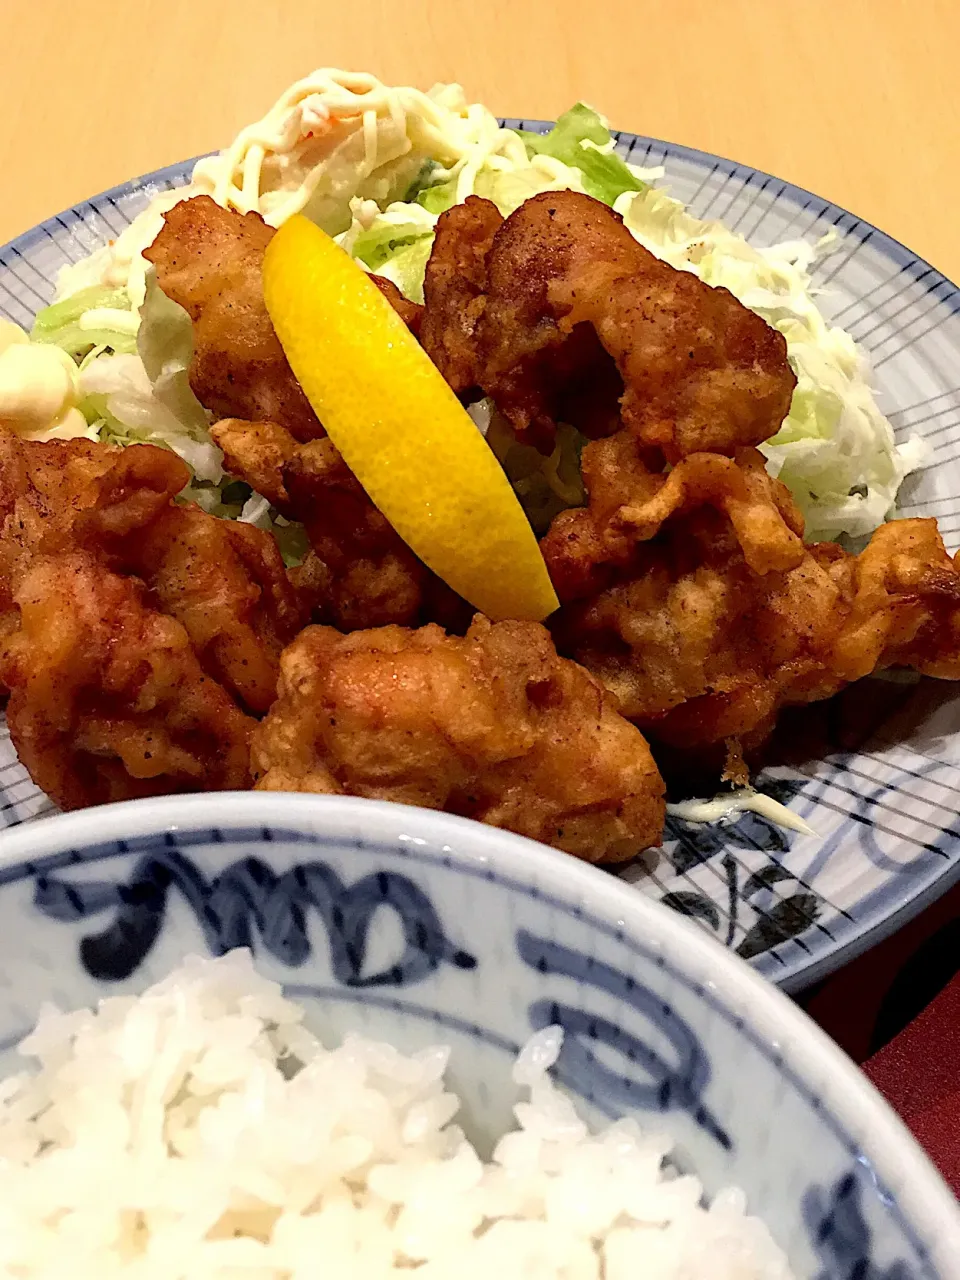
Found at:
(200, 1131)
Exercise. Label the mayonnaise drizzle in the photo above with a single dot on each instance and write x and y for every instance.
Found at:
(313, 119)
(723, 807)
(326, 136)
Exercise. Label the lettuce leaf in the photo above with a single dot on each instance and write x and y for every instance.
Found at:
(407, 267)
(117, 393)
(98, 316)
(165, 345)
(439, 198)
(384, 238)
(395, 243)
(581, 139)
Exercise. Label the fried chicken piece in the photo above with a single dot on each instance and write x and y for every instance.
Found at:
(454, 290)
(690, 594)
(257, 452)
(494, 727)
(903, 591)
(361, 573)
(375, 578)
(699, 648)
(575, 381)
(210, 261)
(58, 492)
(226, 582)
(108, 701)
(630, 501)
(578, 322)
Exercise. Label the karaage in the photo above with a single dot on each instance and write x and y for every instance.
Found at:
(568, 318)
(454, 290)
(629, 502)
(494, 726)
(107, 699)
(699, 648)
(227, 584)
(224, 581)
(58, 495)
(361, 573)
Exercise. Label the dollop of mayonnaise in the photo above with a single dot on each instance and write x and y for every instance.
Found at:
(38, 389)
(727, 805)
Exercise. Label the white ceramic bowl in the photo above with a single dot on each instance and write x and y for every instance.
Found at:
(421, 927)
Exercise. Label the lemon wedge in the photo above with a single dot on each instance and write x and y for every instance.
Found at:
(401, 430)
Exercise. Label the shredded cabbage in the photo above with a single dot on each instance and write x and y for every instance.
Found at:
(544, 485)
(117, 396)
(835, 451)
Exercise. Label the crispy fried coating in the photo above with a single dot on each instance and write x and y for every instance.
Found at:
(578, 322)
(903, 596)
(454, 290)
(361, 573)
(56, 495)
(374, 577)
(630, 501)
(493, 726)
(225, 582)
(572, 379)
(210, 261)
(108, 701)
(257, 452)
(699, 648)
(59, 492)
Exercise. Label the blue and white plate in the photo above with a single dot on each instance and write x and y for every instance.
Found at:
(874, 771)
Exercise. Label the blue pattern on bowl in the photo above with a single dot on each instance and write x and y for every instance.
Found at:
(417, 927)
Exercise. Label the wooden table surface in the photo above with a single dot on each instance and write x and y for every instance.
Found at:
(854, 99)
